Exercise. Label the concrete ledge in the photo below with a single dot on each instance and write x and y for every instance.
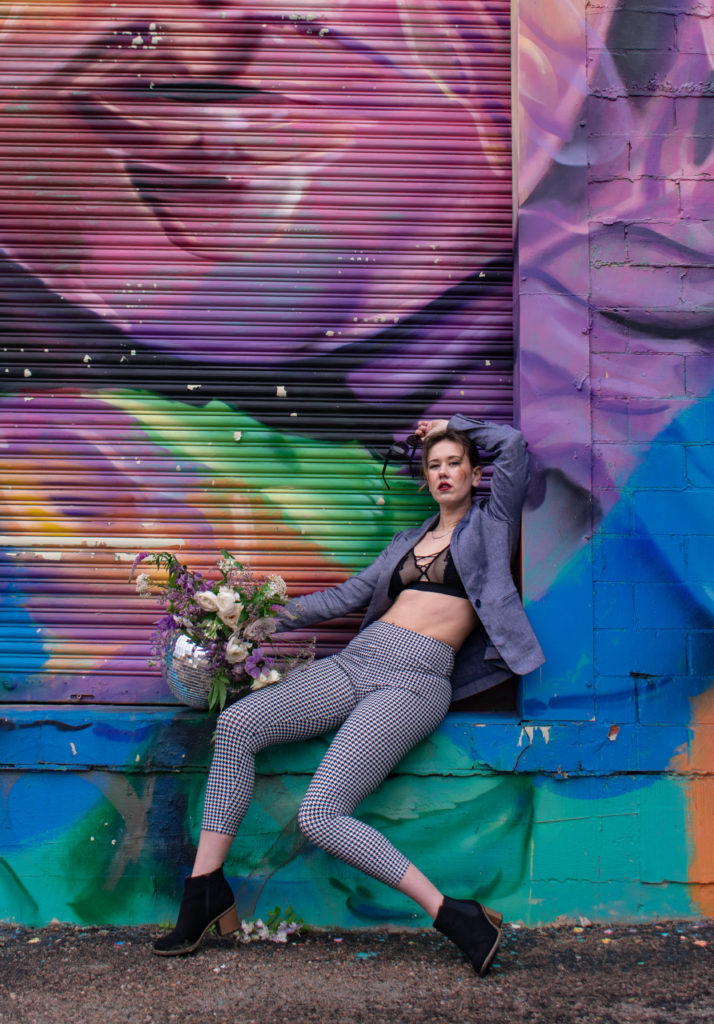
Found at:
(148, 739)
(101, 812)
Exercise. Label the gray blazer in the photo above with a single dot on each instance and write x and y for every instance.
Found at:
(482, 547)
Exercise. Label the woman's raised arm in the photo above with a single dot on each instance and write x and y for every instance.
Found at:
(509, 482)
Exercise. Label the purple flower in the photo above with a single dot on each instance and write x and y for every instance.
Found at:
(258, 662)
(137, 561)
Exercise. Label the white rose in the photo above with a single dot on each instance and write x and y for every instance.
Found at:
(207, 600)
(229, 607)
(265, 678)
(236, 650)
(226, 601)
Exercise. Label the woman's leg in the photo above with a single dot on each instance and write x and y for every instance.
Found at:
(373, 739)
(309, 702)
(377, 734)
(422, 890)
(212, 851)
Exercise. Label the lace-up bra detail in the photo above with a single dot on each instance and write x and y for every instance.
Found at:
(435, 573)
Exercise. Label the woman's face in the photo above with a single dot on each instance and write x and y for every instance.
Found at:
(450, 475)
(230, 181)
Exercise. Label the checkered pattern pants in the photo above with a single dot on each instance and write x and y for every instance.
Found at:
(387, 691)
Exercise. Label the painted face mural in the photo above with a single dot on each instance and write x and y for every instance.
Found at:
(213, 211)
(615, 264)
(233, 185)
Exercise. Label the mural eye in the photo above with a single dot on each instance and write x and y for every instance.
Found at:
(204, 92)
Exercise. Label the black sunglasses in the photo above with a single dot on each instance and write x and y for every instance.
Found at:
(405, 450)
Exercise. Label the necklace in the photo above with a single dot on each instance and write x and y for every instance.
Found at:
(438, 536)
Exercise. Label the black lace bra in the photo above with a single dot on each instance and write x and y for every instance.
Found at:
(436, 573)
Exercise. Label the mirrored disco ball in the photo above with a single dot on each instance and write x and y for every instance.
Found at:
(186, 672)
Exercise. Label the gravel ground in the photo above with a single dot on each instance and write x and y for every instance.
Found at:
(659, 974)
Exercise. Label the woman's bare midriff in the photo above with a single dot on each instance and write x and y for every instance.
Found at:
(440, 616)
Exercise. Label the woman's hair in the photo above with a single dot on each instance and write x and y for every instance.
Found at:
(458, 437)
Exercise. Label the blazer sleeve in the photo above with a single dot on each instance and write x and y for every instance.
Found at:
(509, 482)
(349, 596)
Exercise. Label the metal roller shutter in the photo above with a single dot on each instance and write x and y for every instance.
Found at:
(242, 247)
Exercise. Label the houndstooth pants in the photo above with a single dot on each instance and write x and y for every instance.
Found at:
(387, 690)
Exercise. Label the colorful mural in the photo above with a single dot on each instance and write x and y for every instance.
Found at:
(230, 258)
(206, 342)
(616, 379)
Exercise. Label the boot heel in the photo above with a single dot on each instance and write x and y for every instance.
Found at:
(467, 924)
(203, 897)
(494, 916)
(228, 922)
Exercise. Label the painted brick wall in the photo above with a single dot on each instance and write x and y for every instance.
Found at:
(616, 265)
(650, 242)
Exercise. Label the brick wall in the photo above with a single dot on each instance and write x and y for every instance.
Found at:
(616, 252)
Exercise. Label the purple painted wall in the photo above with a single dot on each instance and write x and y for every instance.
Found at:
(615, 254)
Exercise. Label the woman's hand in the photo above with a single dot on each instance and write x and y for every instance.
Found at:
(426, 427)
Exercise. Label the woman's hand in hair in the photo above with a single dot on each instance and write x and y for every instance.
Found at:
(426, 427)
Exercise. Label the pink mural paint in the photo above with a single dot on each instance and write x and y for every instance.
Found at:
(84, 486)
(615, 313)
(610, 225)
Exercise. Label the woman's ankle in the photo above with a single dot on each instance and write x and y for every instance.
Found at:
(212, 851)
(204, 874)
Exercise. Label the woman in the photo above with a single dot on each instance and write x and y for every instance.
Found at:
(443, 619)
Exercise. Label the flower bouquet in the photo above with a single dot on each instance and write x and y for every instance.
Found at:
(214, 640)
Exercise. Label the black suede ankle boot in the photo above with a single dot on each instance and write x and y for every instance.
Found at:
(475, 932)
(207, 900)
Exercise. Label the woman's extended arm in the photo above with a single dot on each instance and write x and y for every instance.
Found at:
(349, 596)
